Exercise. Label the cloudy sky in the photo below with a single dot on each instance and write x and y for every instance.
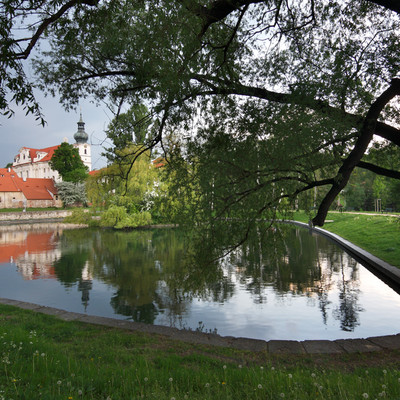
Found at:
(24, 131)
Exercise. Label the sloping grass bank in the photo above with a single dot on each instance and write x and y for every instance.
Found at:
(377, 234)
(43, 357)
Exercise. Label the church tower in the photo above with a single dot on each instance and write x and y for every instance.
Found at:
(81, 138)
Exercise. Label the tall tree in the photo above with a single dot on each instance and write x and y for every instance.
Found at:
(272, 98)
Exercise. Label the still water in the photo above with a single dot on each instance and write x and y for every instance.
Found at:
(284, 284)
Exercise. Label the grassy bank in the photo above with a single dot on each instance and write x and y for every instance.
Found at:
(377, 234)
(46, 358)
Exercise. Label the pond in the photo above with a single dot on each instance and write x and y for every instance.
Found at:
(285, 284)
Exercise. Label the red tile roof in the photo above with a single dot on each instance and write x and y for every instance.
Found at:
(32, 188)
(33, 153)
(9, 181)
(38, 189)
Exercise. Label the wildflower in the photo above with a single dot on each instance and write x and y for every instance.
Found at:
(382, 394)
(224, 367)
(259, 386)
(272, 368)
(207, 385)
(384, 372)
(146, 378)
(383, 386)
(224, 383)
(58, 382)
(172, 398)
(240, 366)
(290, 376)
(365, 395)
(313, 375)
(171, 379)
(80, 392)
(70, 397)
(261, 368)
(43, 354)
(282, 395)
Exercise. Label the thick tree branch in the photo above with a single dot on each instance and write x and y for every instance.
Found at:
(390, 173)
(222, 87)
(366, 134)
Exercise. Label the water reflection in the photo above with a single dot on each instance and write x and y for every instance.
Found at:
(290, 276)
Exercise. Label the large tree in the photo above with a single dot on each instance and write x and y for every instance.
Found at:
(68, 163)
(273, 98)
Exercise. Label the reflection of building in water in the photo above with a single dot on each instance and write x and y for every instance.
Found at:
(86, 284)
(34, 253)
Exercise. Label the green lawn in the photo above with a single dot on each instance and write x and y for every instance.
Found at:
(377, 234)
(43, 357)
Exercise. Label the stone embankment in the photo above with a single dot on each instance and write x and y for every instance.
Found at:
(23, 217)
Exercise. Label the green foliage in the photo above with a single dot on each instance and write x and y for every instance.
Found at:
(128, 128)
(134, 220)
(81, 216)
(68, 163)
(267, 99)
(72, 193)
(113, 216)
(117, 217)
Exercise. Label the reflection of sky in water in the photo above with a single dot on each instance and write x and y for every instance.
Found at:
(269, 314)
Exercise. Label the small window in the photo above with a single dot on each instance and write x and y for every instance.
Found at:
(85, 151)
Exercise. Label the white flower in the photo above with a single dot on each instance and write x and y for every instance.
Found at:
(290, 376)
(272, 368)
(282, 395)
(80, 392)
(58, 382)
(146, 379)
(240, 366)
(207, 385)
(259, 386)
(383, 386)
(224, 367)
(171, 379)
(313, 375)
(384, 372)
(365, 395)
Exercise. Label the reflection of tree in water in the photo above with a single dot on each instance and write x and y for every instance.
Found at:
(158, 272)
(297, 263)
(75, 250)
(348, 309)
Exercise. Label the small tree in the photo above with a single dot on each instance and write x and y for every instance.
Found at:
(72, 193)
(67, 161)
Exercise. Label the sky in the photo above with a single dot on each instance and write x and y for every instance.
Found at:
(23, 131)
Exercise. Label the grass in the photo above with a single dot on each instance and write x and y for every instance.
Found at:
(42, 357)
(377, 234)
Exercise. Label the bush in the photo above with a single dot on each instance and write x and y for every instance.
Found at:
(135, 220)
(80, 216)
(113, 216)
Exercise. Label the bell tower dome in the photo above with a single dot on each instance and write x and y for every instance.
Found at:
(81, 138)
